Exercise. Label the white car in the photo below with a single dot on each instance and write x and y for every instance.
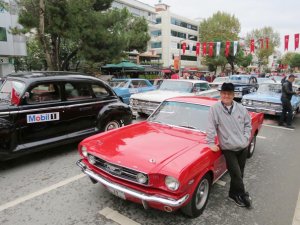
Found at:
(218, 81)
(145, 103)
(297, 83)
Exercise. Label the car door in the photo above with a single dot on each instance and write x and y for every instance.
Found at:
(41, 114)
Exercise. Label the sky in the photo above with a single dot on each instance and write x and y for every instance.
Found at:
(281, 15)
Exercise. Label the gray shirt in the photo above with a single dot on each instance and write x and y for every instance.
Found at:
(233, 129)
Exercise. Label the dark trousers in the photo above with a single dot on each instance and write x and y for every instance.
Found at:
(236, 161)
(287, 111)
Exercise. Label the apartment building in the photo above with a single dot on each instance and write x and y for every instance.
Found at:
(10, 45)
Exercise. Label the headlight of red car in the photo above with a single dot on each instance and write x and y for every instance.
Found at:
(172, 183)
(84, 151)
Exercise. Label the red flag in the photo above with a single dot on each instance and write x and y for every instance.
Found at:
(227, 46)
(197, 48)
(252, 46)
(267, 43)
(211, 48)
(286, 42)
(15, 97)
(296, 41)
(204, 48)
(261, 43)
(183, 46)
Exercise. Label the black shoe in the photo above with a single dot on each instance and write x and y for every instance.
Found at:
(290, 127)
(247, 200)
(238, 200)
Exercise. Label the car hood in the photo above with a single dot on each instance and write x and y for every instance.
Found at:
(264, 97)
(145, 146)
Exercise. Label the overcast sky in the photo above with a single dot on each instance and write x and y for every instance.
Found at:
(281, 15)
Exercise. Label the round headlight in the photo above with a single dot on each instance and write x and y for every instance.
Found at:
(131, 101)
(141, 178)
(84, 151)
(250, 102)
(244, 102)
(92, 159)
(172, 183)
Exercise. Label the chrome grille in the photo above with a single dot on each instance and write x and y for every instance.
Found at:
(118, 171)
(267, 105)
(148, 104)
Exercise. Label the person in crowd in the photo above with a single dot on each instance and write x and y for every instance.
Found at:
(231, 122)
(286, 96)
(175, 75)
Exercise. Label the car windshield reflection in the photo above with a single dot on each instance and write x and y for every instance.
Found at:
(187, 115)
(181, 86)
(118, 83)
(267, 88)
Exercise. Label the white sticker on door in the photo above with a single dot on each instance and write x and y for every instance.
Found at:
(43, 117)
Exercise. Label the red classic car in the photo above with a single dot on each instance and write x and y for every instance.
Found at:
(163, 162)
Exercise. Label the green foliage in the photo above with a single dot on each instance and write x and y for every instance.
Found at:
(295, 61)
(263, 53)
(287, 58)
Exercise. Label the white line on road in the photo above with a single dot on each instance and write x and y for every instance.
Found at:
(117, 217)
(296, 220)
(261, 137)
(278, 127)
(40, 192)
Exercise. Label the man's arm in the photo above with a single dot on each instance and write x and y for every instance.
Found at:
(247, 126)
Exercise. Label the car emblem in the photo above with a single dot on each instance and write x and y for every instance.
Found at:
(112, 169)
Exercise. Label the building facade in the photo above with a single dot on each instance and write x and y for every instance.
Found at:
(10, 45)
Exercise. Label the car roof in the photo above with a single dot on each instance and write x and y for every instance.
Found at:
(119, 79)
(195, 100)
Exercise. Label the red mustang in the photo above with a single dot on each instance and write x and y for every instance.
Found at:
(163, 162)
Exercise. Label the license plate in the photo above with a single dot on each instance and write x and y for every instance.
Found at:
(117, 193)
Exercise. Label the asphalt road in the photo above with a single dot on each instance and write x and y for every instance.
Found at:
(48, 188)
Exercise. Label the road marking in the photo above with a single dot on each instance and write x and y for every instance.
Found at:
(220, 182)
(117, 217)
(279, 127)
(40, 192)
(296, 220)
(261, 137)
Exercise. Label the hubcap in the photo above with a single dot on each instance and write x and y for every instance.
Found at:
(112, 125)
(252, 145)
(202, 194)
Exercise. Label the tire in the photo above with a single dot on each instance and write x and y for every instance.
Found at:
(111, 124)
(199, 200)
(251, 147)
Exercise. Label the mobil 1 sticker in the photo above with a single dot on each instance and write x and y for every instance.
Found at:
(43, 117)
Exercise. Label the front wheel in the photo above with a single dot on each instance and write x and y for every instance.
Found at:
(111, 125)
(251, 147)
(199, 200)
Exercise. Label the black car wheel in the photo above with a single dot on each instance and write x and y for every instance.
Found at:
(251, 147)
(199, 200)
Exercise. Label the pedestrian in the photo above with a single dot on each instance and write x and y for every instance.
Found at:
(231, 123)
(286, 96)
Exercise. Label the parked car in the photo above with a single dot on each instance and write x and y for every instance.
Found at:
(163, 162)
(267, 100)
(124, 88)
(297, 83)
(261, 80)
(145, 103)
(39, 110)
(218, 81)
(243, 84)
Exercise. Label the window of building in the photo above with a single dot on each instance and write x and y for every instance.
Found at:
(156, 45)
(188, 58)
(158, 20)
(3, 36)
(156, 33)
(178, 34)
(192, 37)
(183, 24)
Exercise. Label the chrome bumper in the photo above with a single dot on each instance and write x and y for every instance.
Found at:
(142, 196)
(263, 110)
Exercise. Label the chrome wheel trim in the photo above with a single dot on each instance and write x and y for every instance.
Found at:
(111, 125)
(252, 145)
(202, 194)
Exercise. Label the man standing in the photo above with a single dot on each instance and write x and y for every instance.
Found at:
(231, 122)
(286, 96)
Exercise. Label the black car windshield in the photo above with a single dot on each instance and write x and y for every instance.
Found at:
(239, 79)
(9, 86)
(118, 83)
(266, 88)
(181, 86)
(181, 114)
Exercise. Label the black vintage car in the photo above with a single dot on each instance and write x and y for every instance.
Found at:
(39, 110)
(243, 84)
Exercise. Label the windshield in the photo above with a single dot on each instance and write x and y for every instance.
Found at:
(118, 83)
(7, 88)
(239, 79)
(264, 88)
(181, 86)
(220, 79)
(188, 115)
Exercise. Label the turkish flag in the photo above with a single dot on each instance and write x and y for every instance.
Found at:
(183, 46)
(204, 48)
(296, 41)
(267, 43)
(286, 42)
(252, 46)
(197, 48)
(15, 97)
(227, 46)
(211, 48)
(261, 43)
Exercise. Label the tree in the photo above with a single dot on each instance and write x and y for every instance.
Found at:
(221, 27)
(287, 58)
(295, 61)
(82, 29)
(263, 54)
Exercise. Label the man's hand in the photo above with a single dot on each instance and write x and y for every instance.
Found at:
(214, 148)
